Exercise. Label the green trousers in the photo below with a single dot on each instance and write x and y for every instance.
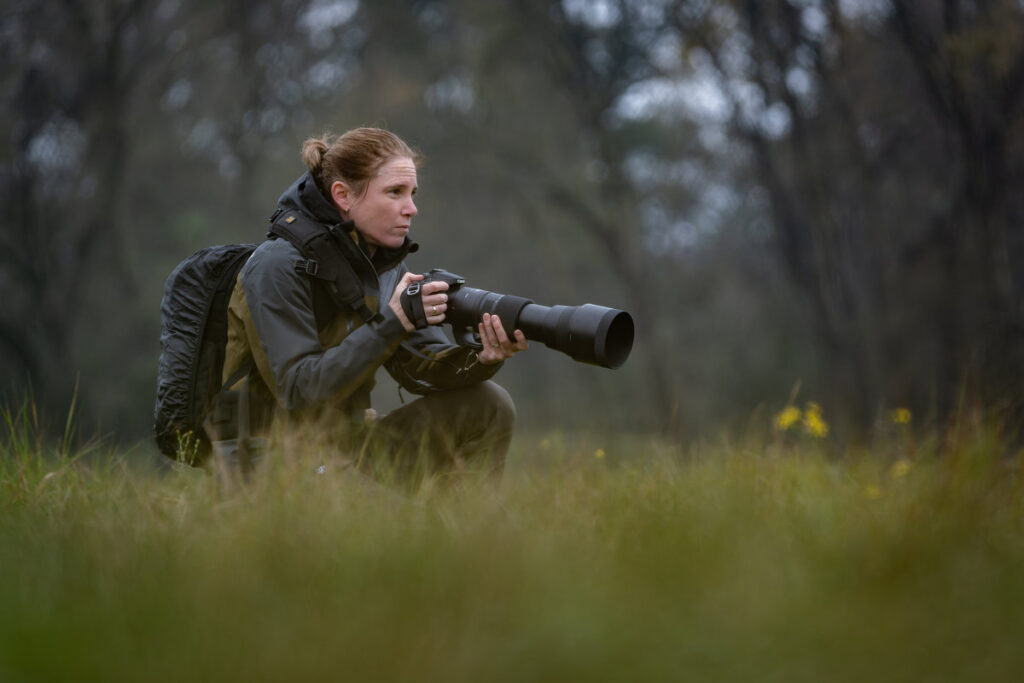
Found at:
(459, 429)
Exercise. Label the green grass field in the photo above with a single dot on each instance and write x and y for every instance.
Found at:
(624, 560)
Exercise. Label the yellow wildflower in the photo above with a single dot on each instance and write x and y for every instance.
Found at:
(899, 469)
(900, 416)
(872, 492)
(789, 416)
(545, 444)
(814, 423)
(599, 453)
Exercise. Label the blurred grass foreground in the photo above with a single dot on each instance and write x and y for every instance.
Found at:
(625, 561)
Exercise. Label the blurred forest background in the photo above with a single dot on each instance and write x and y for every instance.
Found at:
(780, 191)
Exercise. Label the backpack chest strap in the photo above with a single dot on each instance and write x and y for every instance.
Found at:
(324, 259)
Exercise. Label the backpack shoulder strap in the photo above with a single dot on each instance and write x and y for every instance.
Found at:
(323, 259)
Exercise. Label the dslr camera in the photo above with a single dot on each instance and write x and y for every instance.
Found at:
(588, 333)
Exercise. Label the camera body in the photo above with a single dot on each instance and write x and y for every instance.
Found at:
(463, 327)
(588, 333)
(441, 275)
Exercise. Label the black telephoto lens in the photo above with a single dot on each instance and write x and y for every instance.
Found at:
(588, 333)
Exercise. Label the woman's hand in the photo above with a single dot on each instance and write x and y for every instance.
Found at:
(435, 301)
(497, 345)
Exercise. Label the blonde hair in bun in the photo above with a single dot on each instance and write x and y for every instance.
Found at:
(353, 157)
(313, 151)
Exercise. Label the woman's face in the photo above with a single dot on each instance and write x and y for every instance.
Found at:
(383, 213)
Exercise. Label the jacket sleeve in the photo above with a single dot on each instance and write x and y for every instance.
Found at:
(438, 364)
(280, 302)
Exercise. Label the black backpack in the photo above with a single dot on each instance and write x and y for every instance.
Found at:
(194, 325)
(193, 334)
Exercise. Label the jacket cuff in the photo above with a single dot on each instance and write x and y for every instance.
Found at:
(481, 372)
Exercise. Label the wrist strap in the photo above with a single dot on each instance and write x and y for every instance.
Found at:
(412, 304)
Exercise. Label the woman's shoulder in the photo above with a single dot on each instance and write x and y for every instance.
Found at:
(275, 253)
(272, 261)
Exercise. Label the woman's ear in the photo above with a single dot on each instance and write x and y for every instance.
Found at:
(342, 195)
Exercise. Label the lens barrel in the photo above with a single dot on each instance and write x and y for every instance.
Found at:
(588, 333)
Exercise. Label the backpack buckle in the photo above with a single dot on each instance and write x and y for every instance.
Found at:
(307, 266)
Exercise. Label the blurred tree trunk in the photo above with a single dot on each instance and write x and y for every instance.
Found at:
(969, 57)
(67, 106)
(104, 102)
(891, 187)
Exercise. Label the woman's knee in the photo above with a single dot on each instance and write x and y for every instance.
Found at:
(496, 400)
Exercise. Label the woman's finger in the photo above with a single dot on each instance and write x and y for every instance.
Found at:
(499, 331)
(434, 286)
(487, 335)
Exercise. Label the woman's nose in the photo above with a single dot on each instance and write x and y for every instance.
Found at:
(410, 208)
